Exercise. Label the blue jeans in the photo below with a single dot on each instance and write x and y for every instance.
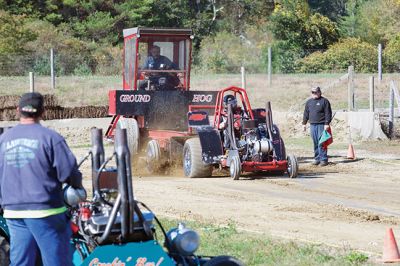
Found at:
(316, 133)
(49, 235)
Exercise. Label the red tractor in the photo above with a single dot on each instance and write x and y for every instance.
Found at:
(155, 104)
(156, 98)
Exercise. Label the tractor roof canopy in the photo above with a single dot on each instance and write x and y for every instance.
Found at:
(154, 52)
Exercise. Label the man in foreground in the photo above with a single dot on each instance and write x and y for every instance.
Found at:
(34, 163)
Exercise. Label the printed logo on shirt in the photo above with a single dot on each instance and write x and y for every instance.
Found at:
(318, 104)
(19, 152)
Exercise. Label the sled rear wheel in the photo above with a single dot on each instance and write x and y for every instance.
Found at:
(293, 166)
(193, 165)
(235, 168)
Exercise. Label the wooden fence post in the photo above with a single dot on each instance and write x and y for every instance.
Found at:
(31, 81)
(52, 76)
(350, 88)
(394, 94)
(269, 66)
(379, 62)
(371, 94)
(243, 72)
(391, 111)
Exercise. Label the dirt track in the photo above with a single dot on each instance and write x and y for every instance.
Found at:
(350, 208)
(347, 204)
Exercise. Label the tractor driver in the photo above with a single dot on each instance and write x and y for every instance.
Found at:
(238, 115)
(156, 61)
(160, 80)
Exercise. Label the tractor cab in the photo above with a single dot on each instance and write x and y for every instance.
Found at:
(157, 59)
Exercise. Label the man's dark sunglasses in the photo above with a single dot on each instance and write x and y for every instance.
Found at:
(313, 92)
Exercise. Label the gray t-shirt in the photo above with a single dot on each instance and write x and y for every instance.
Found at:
(34, 162)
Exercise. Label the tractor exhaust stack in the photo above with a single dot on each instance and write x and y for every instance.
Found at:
(123, 163)
(97, 152)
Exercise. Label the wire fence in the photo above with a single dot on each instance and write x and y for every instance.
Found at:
(73, 64)
(86, 81)
(276, 62)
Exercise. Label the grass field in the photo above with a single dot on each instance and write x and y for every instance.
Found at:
(254, 249)
(285, 91)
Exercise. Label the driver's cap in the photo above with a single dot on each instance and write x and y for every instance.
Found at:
(316, 89)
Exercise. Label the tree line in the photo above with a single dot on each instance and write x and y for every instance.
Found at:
(306, 36)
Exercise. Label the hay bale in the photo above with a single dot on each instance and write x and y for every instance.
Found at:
(11, 101)
(9, 114)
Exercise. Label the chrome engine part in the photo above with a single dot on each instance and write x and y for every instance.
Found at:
(257, 144)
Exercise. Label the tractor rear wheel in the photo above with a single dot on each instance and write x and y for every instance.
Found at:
(132, 133)
(293, 166)
(223, 261)
(4, 251)
(153, 156)
(193, 165)
(235, 168)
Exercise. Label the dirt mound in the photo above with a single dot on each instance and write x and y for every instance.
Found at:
(384, 118)
(292, 127)
(9, 103)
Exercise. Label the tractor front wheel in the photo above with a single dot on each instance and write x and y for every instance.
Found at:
(293, 166)
(235, 168)
(4, 251)
(153, 156)
(132, 133)
(193, 165)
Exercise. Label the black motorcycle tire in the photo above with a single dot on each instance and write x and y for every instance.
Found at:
(4, 251)
(224, 261)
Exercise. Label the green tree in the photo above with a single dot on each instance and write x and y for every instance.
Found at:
(71, 52)
(298, 32)
(392, 54)
(99, 27)
(226, 52)
(94, 25)
(235, 15)
(349, 22)
(293, 22)
(333, 9)
(346, 52)
(13, 34)
(378, 20)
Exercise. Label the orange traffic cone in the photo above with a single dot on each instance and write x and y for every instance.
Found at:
(350, 152)
(390, 250)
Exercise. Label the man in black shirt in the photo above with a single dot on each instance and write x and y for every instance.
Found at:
(155, 66)
(156, 61)
(319, 113)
